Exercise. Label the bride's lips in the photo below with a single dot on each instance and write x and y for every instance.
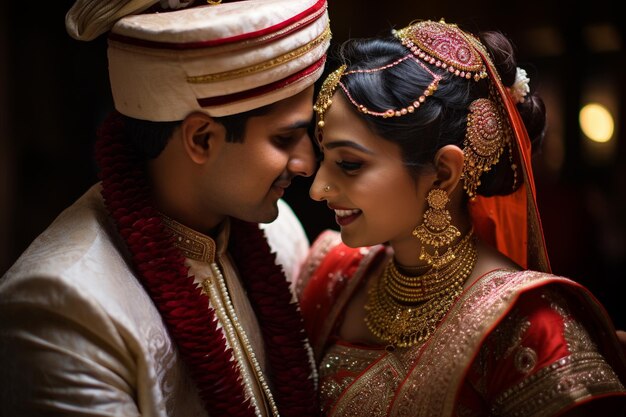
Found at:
(345, 216)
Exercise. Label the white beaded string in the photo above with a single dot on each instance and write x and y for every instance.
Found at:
(226, 309)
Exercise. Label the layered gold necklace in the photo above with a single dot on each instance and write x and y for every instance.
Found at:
(404, 310)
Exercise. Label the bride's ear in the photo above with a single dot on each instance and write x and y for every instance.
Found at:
(449, 167)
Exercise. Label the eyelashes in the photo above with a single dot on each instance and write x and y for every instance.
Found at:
(349, 166)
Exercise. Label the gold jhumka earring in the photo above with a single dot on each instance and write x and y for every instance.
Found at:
(436, 230)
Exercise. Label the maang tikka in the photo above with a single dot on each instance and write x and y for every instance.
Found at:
(437, 230)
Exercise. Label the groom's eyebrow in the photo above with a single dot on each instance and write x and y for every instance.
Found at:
(346, 143)
(300, 124)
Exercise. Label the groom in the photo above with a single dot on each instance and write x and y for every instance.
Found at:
(156, 293)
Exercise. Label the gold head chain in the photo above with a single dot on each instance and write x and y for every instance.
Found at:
(324, 99)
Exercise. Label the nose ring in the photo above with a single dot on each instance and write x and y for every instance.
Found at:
(326, 188)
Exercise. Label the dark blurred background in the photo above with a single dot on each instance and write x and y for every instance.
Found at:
(54, 93)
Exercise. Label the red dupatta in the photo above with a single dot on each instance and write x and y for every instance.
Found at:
(511, 223)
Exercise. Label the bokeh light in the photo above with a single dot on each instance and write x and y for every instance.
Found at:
(596, 122)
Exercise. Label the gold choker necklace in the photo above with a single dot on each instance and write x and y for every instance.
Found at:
(404, 310)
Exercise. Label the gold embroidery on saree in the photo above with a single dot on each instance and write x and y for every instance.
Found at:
(507, 339)
(321, 249)
(373, 391)
(432, 384)
(574, 333)
(556, 386)
(364, 264)
(581, 374)
(479, 368)
(508, 335)
(525, 360)
(357, 381)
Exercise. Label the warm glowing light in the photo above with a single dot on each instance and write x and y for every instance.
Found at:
(596, 122)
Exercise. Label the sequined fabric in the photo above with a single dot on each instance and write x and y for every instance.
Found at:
(371, 373)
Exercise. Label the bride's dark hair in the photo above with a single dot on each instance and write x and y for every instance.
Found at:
(442, 118)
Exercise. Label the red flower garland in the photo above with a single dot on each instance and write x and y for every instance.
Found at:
(185, 309)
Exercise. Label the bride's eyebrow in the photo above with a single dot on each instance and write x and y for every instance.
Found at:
(346, 143)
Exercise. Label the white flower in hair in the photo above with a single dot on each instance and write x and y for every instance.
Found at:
(520, 87)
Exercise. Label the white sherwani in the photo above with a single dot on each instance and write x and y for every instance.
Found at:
(79, 336)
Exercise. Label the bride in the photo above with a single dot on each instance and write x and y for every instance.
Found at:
(436, 297)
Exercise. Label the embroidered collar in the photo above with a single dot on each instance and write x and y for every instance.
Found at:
(193, 244)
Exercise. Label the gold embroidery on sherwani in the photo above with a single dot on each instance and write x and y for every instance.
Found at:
(191, 243)
(214, 273)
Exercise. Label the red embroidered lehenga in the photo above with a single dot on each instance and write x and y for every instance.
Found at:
(519, 343)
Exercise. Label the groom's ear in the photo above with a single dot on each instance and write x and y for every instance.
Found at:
(200, 133)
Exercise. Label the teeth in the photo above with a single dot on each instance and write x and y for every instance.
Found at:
(345, 213)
